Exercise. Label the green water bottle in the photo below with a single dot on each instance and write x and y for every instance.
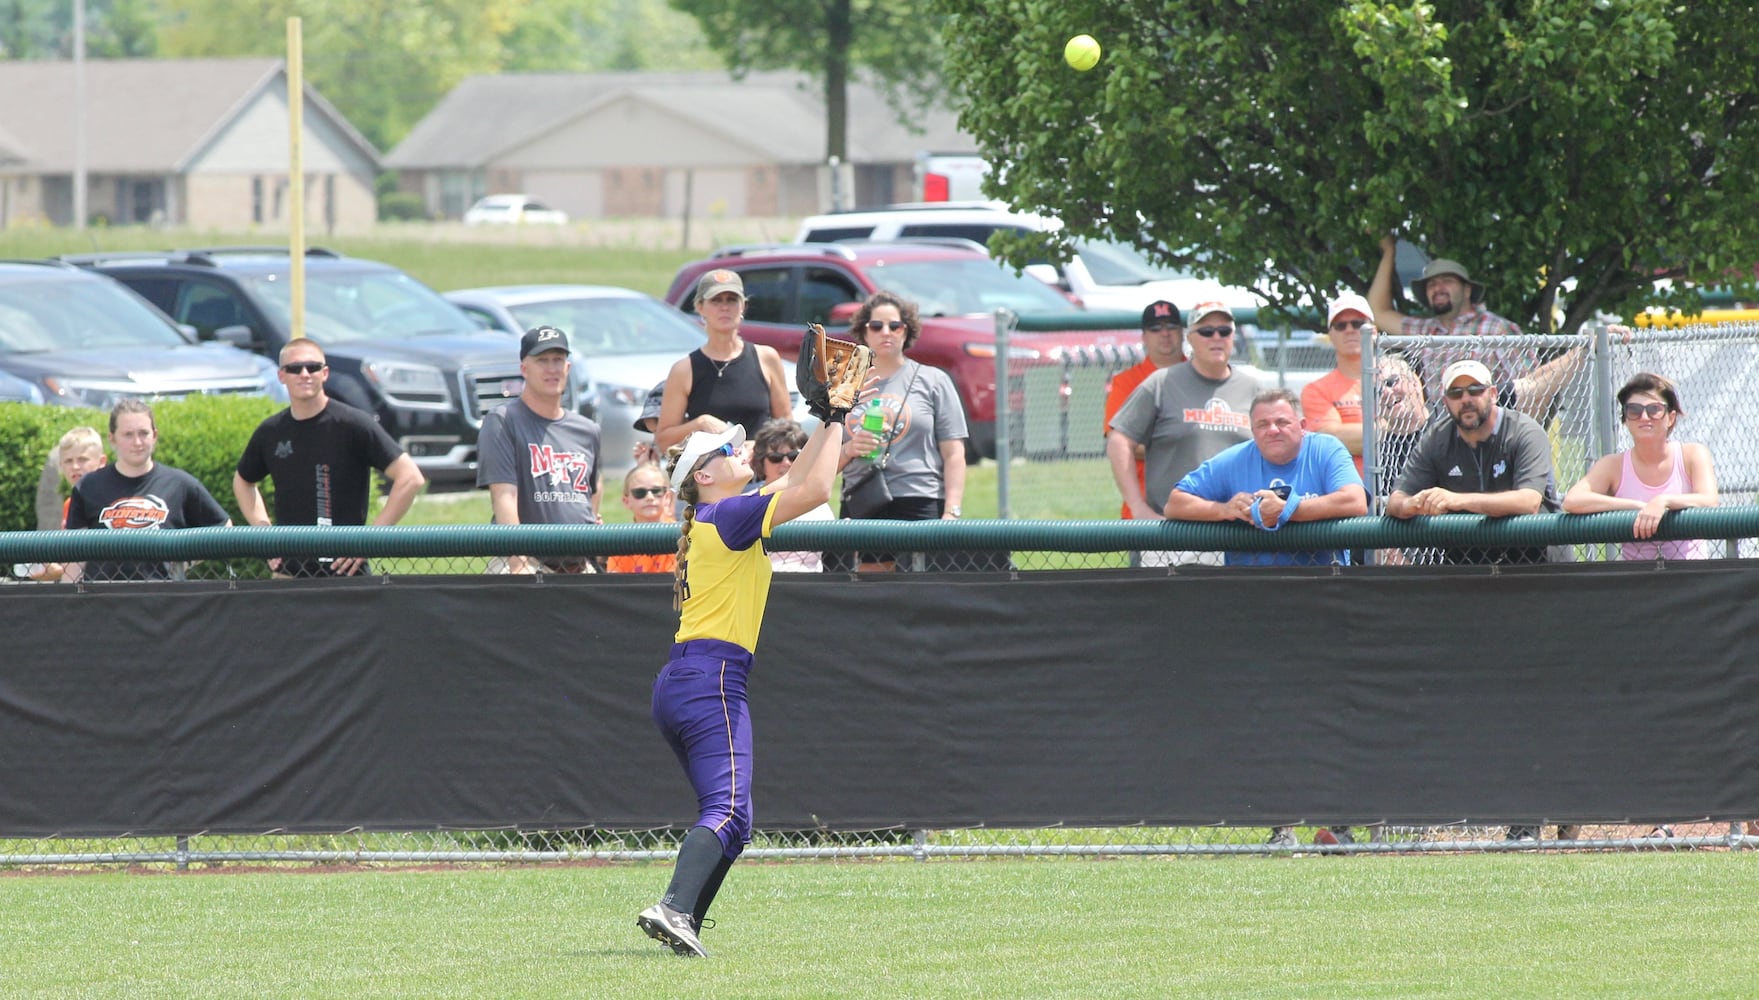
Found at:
(874, 422)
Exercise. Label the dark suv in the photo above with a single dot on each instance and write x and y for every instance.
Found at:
(396, 348)
(957, 288)
(71, 338)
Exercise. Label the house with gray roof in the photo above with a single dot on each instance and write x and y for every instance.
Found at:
(202, 143)
(665, 145)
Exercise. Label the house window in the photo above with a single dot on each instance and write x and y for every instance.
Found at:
(256, 198)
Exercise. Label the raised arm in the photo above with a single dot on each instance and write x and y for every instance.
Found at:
(1380, 291)
(809, 481)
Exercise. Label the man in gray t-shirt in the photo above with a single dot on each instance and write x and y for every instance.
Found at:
(1184, 414)
(540, 460)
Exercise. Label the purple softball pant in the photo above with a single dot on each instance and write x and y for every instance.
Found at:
(699, 705)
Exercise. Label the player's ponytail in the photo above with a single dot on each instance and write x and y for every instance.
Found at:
(689, 494)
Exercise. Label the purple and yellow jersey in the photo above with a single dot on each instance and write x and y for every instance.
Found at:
(727, 573)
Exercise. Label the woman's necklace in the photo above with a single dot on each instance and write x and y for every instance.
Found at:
(721, 366)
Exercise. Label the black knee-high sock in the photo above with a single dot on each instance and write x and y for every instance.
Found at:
(697, 860)
(706, 898)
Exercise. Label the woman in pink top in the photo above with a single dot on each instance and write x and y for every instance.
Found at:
(1654, 476)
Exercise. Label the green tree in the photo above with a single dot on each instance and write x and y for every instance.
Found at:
(1579, 146)
(383, 63)
(43, 29)
(897, 42)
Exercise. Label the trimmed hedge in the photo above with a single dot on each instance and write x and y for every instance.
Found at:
(203, 435)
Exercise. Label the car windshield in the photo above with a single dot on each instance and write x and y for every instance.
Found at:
(342, 306)
(59, 314)
(967, 287)
(602, 326)
(1112, 263)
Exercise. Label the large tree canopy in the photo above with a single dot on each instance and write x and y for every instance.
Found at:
(896, 41)
(1569, 152)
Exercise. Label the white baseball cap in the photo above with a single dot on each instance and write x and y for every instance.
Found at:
(701, 443)
(1348, 302)
(1462, 369)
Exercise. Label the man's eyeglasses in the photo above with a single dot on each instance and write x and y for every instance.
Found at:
(1474, 390)
(1345, 324)
(781, 456)
(643, 492)
(1654, 411)
(876, 325)
(306, 367)
(1214, 331)
(1162, 328)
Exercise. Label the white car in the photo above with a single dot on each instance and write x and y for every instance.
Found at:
(513, 209)
(623, 344)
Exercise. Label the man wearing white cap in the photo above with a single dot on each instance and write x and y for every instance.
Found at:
(1183, 414)
(1457, 304)
(1484, 459)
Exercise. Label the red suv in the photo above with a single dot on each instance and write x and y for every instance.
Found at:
(957, 287)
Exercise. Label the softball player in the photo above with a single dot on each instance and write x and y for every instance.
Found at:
(720, 588)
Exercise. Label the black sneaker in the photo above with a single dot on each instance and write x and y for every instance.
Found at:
(671, 928)
(1527, 834)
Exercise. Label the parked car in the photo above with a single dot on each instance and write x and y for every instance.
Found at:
(397, 349)
(513, 209)
(623, 342)
(957, 287)
(75, 339)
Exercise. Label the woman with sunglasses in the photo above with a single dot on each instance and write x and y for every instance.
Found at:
(720, 589)
(1655, 475)
(919, 450)
(774, 450)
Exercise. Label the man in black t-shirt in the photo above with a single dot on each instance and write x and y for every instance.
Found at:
(321, 453)
(137, 494)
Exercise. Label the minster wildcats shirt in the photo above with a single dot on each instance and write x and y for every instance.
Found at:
(553, 463)
(163, 498)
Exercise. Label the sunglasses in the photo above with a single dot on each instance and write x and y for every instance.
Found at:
(1654, 411)
(643, 492)
(1345, 324)
(781, 456)
(1213, 331)
(1474, 390)
(727, 449)
(876, 325)
(305, 367)
(1162, 328)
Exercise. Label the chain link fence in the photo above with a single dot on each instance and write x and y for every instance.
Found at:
(356, 847)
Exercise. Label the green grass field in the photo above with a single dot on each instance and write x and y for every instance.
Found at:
(1579, 925)
(430, 254)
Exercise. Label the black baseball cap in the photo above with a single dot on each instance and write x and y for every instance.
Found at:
(1161, 312)
(540, 339)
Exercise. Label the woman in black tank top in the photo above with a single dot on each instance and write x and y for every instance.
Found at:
(726, 381)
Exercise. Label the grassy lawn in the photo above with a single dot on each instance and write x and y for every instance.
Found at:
(1488, 926)
(432, 254)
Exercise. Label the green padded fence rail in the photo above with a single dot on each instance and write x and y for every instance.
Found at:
(1464, 530)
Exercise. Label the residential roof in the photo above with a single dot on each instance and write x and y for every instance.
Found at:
(780, 115)
(142, 115)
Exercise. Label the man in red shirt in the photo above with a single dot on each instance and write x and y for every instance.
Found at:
(1163, 344)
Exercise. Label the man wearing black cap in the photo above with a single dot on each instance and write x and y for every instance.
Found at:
(1456, 300)
(539, 459)
(1163, 344)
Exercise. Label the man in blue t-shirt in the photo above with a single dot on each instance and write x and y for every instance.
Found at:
(1283, 474)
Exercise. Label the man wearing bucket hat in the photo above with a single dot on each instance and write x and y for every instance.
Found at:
(1457, 302)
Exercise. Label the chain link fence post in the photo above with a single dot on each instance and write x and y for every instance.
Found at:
(1005, 322)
